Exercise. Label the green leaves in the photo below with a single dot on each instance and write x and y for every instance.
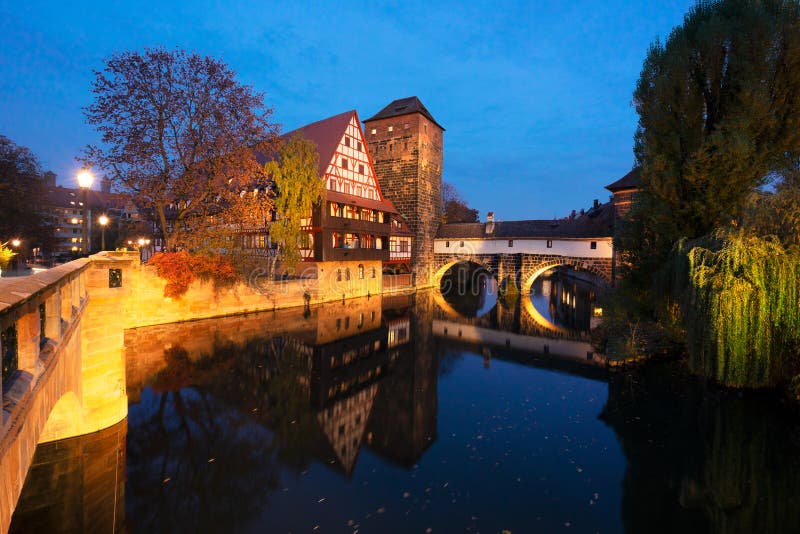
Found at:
(743, 316)
(299, 187)
(719, 106)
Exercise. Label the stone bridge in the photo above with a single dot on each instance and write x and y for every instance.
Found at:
(520, 251)
(63, 363)
(522, 268)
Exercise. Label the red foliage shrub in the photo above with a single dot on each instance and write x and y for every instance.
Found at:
(180, 269)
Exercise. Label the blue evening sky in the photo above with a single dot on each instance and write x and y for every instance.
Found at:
(535, 96)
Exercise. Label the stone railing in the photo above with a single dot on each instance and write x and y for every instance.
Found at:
(37, 314)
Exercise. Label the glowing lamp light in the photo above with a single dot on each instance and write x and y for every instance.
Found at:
(74, 220)
(598, 312)
(103, 220)
(141, 242)
(15, 243)
(85, 179)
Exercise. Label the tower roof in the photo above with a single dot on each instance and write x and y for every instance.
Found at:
(629, 181)
(404, 106)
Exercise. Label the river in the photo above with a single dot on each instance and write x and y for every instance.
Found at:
(414, 414)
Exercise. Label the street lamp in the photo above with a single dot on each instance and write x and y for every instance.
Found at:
(85, 180)
(103, 220)
(15, 243)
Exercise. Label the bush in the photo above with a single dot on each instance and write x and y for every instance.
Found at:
(180, 269)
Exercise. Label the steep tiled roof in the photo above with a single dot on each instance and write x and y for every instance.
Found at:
(597, 222)
(404, 106)
(326, 134)
(629, 181)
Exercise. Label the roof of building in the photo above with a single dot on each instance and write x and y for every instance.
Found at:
(327, 134)
(404, 106)
(629, 181)
(597, 222)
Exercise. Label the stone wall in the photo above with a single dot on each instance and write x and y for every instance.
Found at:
(408, 164)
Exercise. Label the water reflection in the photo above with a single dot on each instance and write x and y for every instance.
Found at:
(564, 301)
(75, 485)
(701, 460)
(388, 415)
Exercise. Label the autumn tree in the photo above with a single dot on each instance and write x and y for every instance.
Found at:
(455, 208)
(298, 187)
(177, 130)
(21, 192)
(718, 105)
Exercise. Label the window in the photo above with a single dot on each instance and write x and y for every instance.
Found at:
(510, 242)
(347, 277)
(462, 243)
(391, 128)
(405, 126)
(549, 243)
(114, 278)
(344, 163)
(593, 245)
(336, 210)
(338, 275)
(447, 244)
(360, 272)
(346, 141)
(373, 276)
(360, 169)
(358, 145)
(374, 131)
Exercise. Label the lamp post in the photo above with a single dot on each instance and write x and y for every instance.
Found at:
(103, 220)
(15, 243)
(85, 180)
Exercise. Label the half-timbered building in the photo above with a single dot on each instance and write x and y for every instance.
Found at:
(354, 222)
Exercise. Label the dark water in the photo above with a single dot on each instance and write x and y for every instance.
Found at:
(394, 415)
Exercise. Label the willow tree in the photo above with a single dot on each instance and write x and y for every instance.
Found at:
(718, 105)
(177, 128)
(743, 316)
(298, 188)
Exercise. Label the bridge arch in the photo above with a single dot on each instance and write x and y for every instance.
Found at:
(535, 271)
(485, 265)
(529, 276)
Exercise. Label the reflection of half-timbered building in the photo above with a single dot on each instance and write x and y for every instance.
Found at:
(355, 222)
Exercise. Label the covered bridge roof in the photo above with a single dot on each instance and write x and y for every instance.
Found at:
(597, 222)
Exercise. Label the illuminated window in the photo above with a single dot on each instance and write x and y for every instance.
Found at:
(391, 128)
(360, 272)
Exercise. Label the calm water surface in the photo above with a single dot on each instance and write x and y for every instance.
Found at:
(406, 415)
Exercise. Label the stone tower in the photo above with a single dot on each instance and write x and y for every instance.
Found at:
(405, 143)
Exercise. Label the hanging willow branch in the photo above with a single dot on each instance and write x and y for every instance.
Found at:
(743, 319)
